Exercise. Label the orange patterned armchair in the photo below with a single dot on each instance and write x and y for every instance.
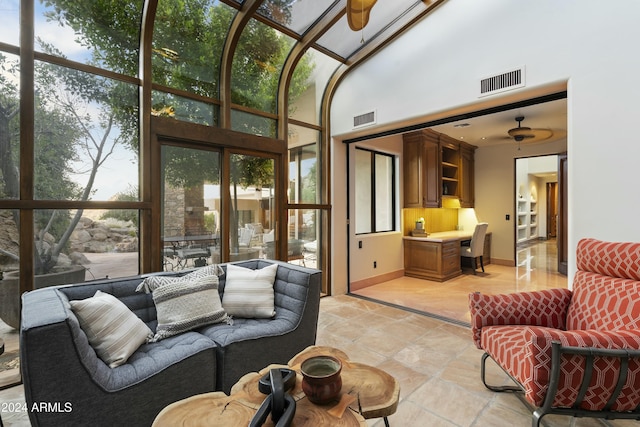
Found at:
(573, 352)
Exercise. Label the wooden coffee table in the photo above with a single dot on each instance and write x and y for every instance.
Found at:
(367, 392)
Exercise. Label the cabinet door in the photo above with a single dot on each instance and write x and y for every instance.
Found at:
(431, 169)
(467, 186)
(422, 259)
(451, 259)
(421, 170)
(412, 173)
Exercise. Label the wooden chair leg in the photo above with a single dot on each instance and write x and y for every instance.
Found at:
(481, 263)
(475, 264)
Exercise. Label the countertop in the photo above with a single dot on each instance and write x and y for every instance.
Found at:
(444, 236)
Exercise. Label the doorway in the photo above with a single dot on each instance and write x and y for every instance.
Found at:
(218, 205)
(537, 210)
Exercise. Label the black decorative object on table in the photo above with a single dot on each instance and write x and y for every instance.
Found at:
(278, 402)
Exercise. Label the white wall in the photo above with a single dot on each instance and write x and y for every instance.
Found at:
(496, 192)
(588, 45)
(384, 248)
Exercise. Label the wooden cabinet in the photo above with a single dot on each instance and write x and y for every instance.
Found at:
(438, 261)
(466, 176)
(436, 166)
(421, 170)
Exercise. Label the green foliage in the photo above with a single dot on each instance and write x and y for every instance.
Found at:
(309, 185)
(109, 28)
(188, 168)
(9, 128)
(251, 171)
(129, 195)
(210, 222)
(187, 45)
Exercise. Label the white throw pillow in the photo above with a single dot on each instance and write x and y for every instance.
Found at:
(249, 293)
(113, 330)
(187, 304)
(149, 284)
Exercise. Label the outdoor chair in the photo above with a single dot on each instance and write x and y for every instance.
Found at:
(573, 352)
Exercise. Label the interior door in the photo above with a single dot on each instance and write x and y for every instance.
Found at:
(563, 229)
(552, 210)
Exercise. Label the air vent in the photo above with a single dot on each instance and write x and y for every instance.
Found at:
(364, 119)
(502, 82)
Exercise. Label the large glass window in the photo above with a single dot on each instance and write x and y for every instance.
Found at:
(252, 124)
(71, 246)
(304, 231)
(252, 198)
(188, 39)
(104, 34)
(86, 135)
(303, 172)
(191, 207)
(374, 191)
(185, 109)
(257, 63)
(9, 127)
(297, 15)
(308, 85)
(9, 295)
(10, 22)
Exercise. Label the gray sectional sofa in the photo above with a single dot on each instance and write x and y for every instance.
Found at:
(63, 375)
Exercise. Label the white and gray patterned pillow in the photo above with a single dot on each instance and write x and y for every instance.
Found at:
(249, 293)
(187, 304)
(113, 330)
(151, 283)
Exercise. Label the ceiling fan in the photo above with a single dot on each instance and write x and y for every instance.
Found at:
(523, 133)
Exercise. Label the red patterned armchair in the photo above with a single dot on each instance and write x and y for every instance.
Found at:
(572, 352)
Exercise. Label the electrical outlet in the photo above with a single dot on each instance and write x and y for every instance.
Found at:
(375, 264)
(507, 217)
(359, 244)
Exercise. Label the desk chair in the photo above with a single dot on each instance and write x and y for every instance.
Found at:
(476, 249)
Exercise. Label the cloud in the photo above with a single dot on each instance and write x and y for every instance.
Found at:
(63, 38)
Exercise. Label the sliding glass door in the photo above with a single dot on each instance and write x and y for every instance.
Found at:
(252, 207)
(217, 206)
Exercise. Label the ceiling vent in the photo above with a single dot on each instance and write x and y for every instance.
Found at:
(502, 82)
(364, 119)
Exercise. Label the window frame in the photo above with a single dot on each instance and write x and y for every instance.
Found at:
(372, 182)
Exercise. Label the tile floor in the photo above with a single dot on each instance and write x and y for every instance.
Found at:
(435, 360)
(536, 269)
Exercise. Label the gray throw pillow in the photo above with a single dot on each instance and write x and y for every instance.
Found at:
(187, 304)
(149, 284)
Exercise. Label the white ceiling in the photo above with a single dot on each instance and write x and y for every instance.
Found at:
(492, 129)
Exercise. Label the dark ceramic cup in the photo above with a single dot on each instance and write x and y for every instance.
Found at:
(321, 380)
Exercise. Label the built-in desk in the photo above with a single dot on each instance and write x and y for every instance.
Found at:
(437, 256)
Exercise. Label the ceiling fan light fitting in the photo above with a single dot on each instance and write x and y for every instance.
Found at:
(520, 131)
(358, 13)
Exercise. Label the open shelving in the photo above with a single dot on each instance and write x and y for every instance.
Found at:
(527, 218)
(449, 168)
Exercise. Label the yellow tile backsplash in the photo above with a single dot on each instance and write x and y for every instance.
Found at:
(435, 219)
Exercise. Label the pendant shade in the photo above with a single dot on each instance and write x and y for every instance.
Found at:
(358, 13)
